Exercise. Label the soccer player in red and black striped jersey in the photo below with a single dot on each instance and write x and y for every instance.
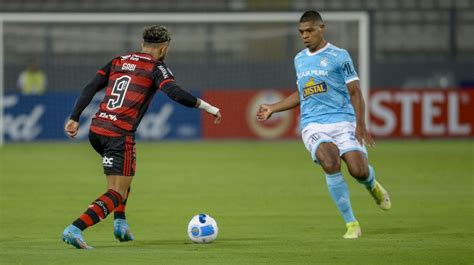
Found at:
(130, 81)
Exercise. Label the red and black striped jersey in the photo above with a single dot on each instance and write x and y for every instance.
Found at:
(130, 80)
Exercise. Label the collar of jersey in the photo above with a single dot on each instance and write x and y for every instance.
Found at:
(148, 55)
(318, 51)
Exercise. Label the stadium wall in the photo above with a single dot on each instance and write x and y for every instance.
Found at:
(394, 113)
(30, 118)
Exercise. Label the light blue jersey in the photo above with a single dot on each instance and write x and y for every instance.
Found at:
(322, 77)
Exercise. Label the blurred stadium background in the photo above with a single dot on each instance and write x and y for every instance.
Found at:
(421, 57)
(269, 200)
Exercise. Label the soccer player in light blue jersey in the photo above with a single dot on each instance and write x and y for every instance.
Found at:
(332, 117)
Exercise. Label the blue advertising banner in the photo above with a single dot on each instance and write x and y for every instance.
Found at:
(29, 118)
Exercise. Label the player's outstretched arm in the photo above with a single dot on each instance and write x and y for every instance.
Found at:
(357, 100)
(209, 109)
(265, 111)
(183, 97)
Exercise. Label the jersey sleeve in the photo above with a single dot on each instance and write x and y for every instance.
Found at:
(347, 69)
(164, 81)
(162, 75)
(95, 85)
(296, 71)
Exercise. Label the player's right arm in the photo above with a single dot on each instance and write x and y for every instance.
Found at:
(95, 85)
(265, 111)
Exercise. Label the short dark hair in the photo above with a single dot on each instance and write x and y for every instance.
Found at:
(156, 34)
(311, 16)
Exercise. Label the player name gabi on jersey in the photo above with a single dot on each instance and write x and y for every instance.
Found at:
(133, 80)
(321, 78)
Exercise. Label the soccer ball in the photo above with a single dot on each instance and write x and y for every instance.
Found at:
(202, 229)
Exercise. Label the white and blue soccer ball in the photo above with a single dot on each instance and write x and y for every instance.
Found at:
(202, 229)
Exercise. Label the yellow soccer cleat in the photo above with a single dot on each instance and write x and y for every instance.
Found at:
(353, 230)
(381, 196)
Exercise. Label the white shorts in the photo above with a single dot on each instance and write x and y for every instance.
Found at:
(342, 134)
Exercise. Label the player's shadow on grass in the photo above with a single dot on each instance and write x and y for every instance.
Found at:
(142, 243)
(184, 242)
(405, 230)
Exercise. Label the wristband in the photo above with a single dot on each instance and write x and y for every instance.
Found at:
(208, 108)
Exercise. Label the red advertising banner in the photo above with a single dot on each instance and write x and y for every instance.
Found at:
(425, 113)
(239, 109)
(422, 113)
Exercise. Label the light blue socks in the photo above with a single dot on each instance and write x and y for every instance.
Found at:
(369, 183)
(340, 194)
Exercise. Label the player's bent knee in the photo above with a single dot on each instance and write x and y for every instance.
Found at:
(328, 157)
(359, 171)
(331, 164)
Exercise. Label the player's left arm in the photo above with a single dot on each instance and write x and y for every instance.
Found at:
(182, 96)
(349, 74)
(362, 134)
(164, 81)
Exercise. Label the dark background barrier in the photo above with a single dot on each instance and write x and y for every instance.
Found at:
(394, 113)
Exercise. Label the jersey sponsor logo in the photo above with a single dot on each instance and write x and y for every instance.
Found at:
(315, 72)
(129, 66)
(163, 71)
(312, 88)
(108, 161)
(108, 116)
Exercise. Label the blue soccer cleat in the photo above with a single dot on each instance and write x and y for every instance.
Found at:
(73, 236)
(122, 231)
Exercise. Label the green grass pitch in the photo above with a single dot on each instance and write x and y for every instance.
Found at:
(270, 202)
